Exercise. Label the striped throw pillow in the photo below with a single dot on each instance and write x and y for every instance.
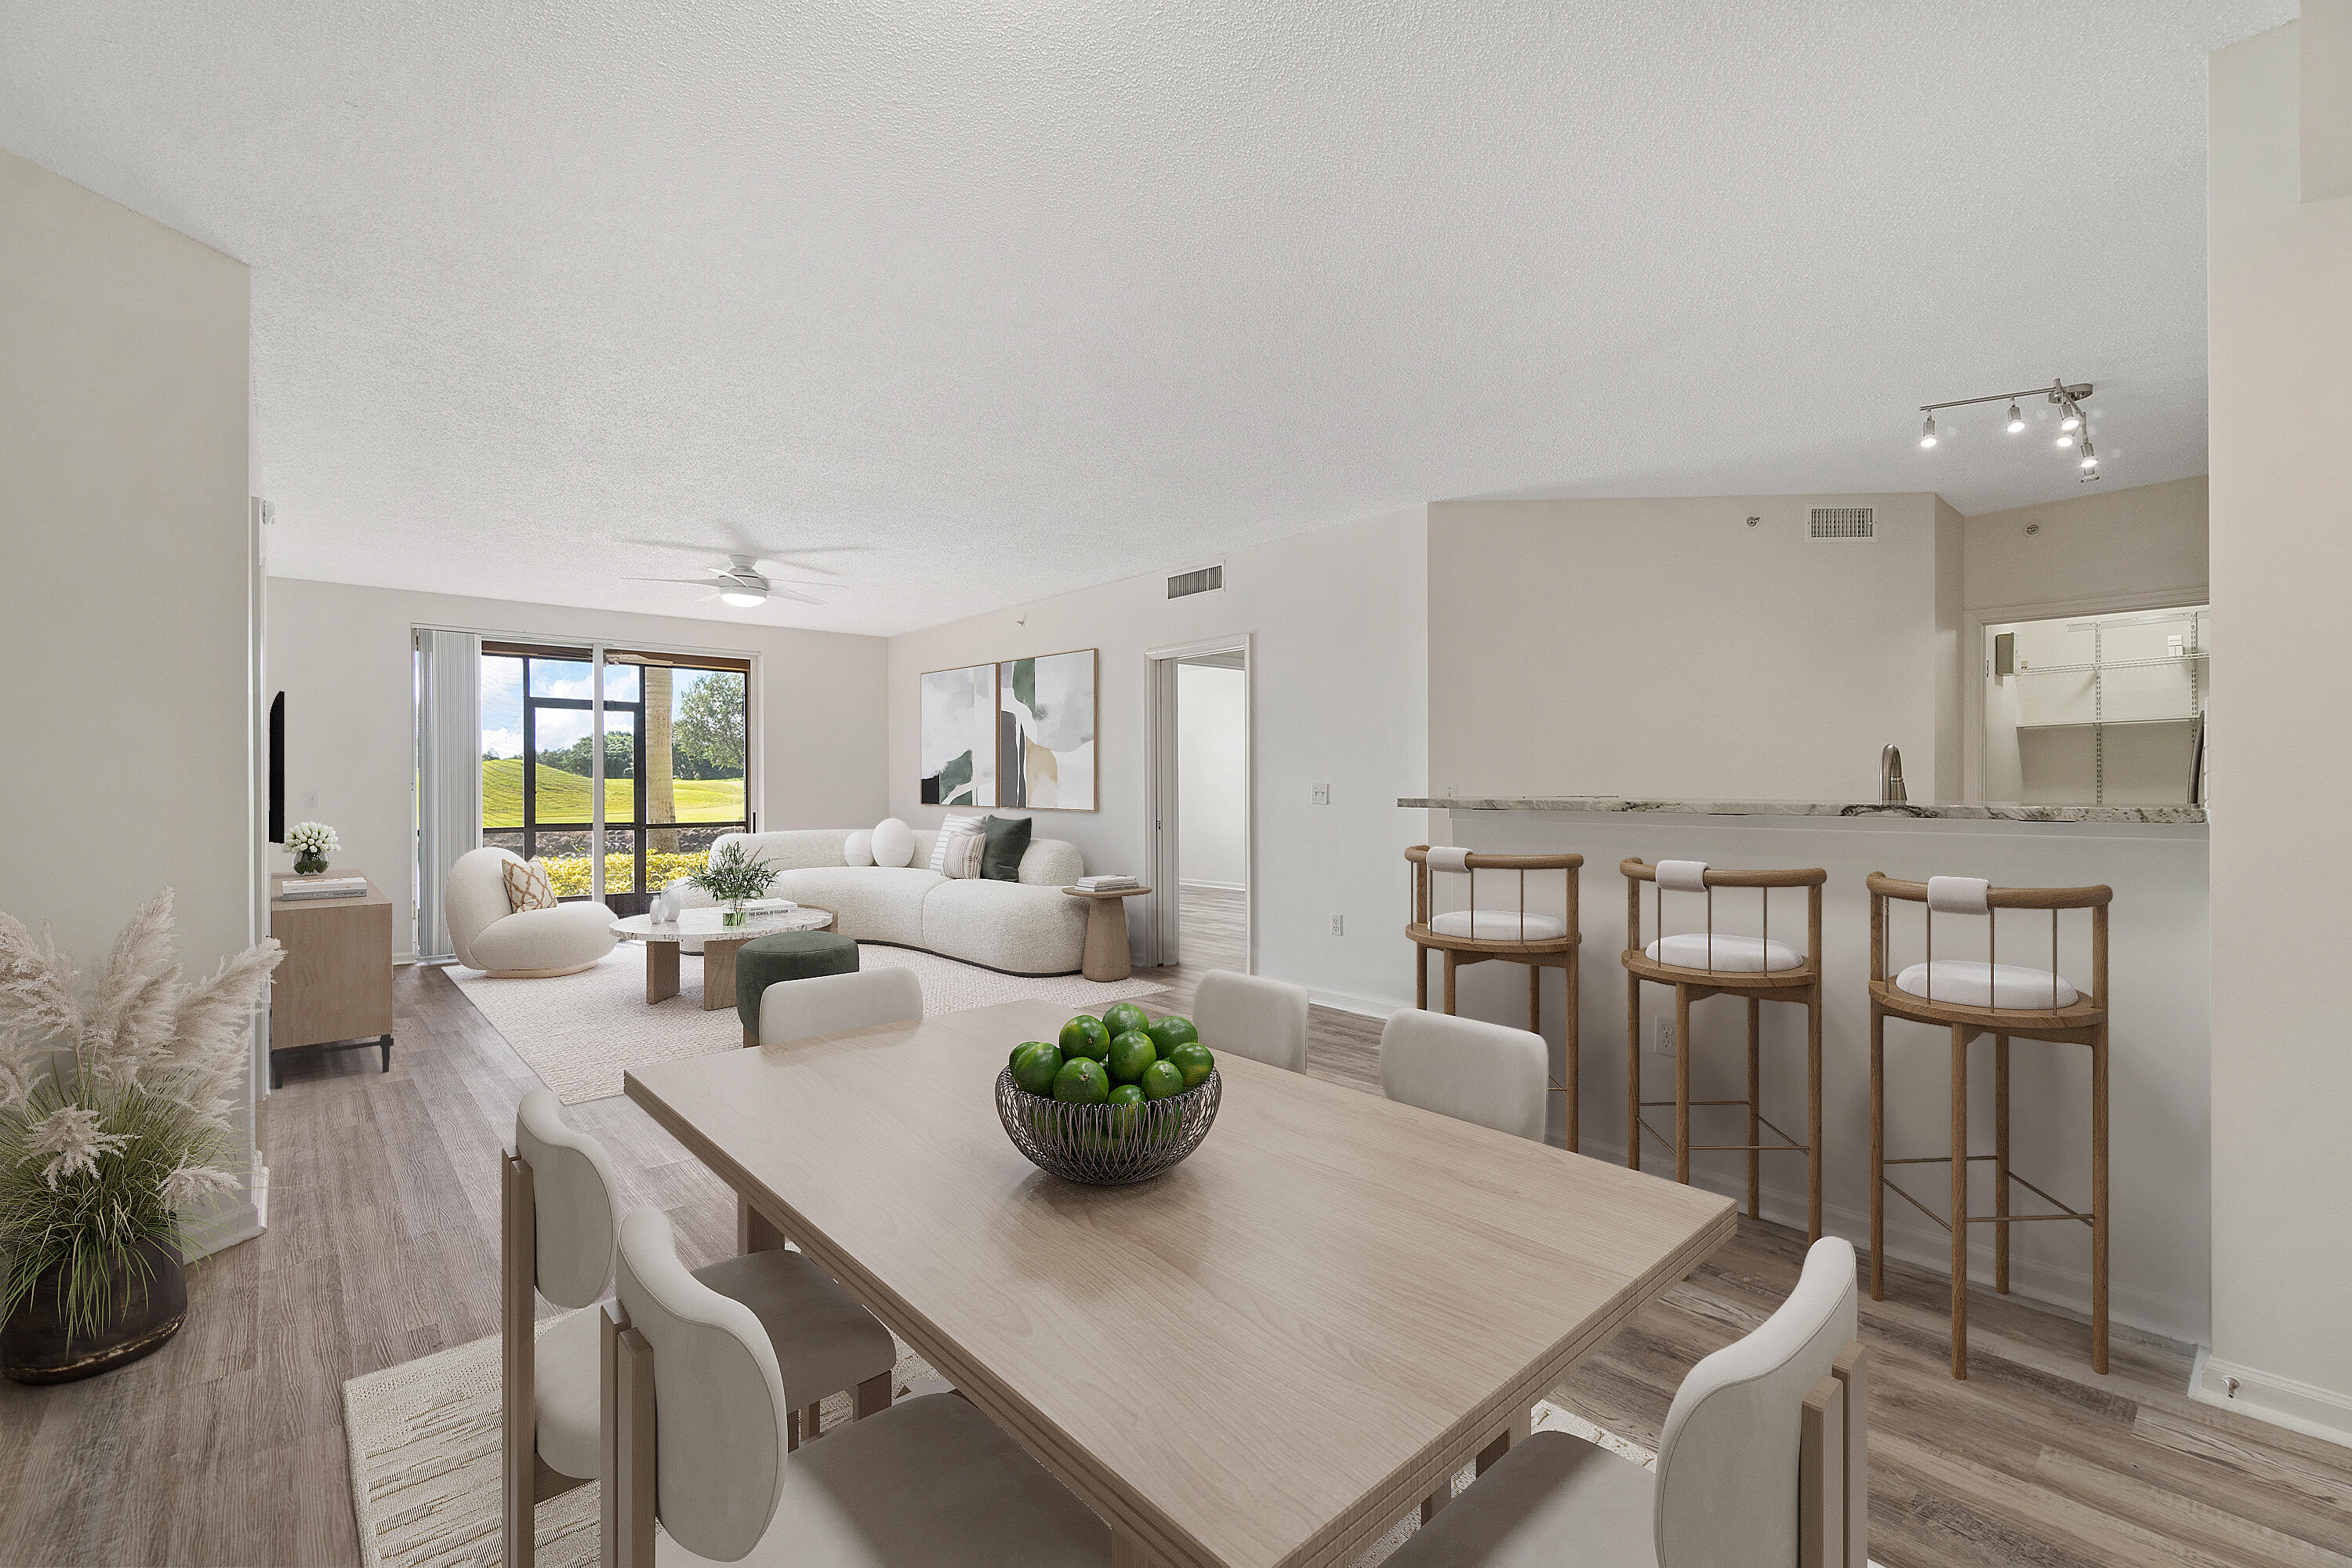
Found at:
(529, 886)
(953, 830)
(967, 853)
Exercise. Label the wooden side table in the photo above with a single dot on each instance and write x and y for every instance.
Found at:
(1106, 957)
(334, 990)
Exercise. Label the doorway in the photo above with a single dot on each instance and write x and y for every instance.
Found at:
(1202, 808)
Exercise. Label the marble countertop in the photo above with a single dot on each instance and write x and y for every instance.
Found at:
(1967, 811)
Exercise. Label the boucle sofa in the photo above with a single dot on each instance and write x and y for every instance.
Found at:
(1028, 927)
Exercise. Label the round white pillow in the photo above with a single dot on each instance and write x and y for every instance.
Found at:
(894, 843)
(858, 849)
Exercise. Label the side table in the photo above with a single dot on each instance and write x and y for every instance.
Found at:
(1106, 957)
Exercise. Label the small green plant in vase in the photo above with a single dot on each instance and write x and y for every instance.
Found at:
(311, 843)
(732, 877)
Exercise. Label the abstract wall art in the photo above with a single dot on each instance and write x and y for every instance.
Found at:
(959, 749)
(1045, 732)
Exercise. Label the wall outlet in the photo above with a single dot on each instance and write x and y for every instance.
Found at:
(1322, 795)
(1339, 925)
(1663, 1042)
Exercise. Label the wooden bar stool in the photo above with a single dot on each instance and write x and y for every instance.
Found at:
(1707, 962)
(1511, 932)
(1981, 997)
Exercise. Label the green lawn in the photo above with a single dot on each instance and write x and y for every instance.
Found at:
(563, 797)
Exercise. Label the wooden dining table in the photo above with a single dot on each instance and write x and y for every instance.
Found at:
(1268, 1355)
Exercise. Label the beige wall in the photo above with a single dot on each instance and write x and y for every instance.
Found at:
(2148, 539)
(2281, 334)
(341, 655)
(1339, 688)
(1664, 647)
(123, 573)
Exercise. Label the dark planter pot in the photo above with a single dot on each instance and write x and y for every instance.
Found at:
(309, 865)
(148, 1311)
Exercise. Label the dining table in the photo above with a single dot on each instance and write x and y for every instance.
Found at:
(1264, 1357)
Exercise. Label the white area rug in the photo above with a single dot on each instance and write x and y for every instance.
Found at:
(424, 1441)
(581, 1032)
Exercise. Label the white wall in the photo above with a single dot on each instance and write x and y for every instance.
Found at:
(1341, 685)
(124, 476)
(1664, 647)
(1212, 776)
(2102, 544)
(2280, 335)
(342, 654)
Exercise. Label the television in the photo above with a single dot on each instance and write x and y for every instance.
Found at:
(278, 769)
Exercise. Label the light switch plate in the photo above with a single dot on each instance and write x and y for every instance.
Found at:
(1322, 795)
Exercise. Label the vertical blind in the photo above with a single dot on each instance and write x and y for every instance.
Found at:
(448, 773)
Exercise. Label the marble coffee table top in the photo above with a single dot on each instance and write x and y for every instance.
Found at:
(759, 922)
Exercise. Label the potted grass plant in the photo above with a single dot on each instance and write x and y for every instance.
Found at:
(115, 1138)
(732, 877)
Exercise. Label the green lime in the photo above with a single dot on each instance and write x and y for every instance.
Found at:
(1194, 1060)
(1015, 1059)
(1130, 1054)
(1085, 1036)
(1124, 1102)
(1170, 1032)
(1121, 1016)
(1126, 1094)
(1162, 1080)
(1037, 1066)
(1081, 1081)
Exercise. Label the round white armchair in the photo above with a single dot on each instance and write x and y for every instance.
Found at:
(488, 933)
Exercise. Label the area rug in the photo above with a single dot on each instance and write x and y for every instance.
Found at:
(424, 1441)
(581, 1032)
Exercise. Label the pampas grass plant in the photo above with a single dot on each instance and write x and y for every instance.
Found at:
(135, 1137)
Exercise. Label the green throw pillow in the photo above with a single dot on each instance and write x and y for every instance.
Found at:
(1008, 841)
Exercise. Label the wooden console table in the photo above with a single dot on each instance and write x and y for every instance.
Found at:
(333, 991)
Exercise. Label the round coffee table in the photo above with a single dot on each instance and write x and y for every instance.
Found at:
(719, 945)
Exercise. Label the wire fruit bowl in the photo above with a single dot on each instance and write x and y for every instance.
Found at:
(1105, 1145)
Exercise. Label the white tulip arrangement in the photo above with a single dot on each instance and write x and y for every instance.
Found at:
(312, 841)
(122, 1149)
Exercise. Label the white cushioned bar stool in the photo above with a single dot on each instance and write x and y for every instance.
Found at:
(1763, 1463)
(1264, 1020)
(698, 1440)
(1710, 962)
(1508, 930)
(559, 1221)
(1971, 997)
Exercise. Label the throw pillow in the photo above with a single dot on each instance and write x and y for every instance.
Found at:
(1008, 841)
(858, 848)
(966, 853)
(894, 843)
(954, 827)
(529, 887)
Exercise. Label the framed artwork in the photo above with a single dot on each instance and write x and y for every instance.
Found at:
(959, 749)
(1045, 732)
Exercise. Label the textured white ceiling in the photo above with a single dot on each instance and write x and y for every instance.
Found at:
(1021, 296)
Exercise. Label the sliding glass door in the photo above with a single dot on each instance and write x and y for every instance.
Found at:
(673, 774)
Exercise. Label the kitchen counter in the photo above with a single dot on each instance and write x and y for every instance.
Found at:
(1958, 811)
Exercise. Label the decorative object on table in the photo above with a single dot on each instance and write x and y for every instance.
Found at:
(1106, 957)
(311, 843)
(323, 887)
(102, 1167)
(1106, 1102)
(1045, 732)
(958, 753)
(1106, 882)
(734, 877)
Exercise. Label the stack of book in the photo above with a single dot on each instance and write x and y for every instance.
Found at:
(323, 887)
(1107, 883)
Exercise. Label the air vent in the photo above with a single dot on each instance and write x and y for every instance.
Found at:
(1201, 580)
(1845, 523)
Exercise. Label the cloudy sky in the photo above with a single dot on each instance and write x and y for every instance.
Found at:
(558, 728)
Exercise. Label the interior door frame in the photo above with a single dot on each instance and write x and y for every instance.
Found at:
(1163, 918)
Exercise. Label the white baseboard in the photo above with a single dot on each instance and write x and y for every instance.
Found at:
(1912, 1243)
(2287, 1402)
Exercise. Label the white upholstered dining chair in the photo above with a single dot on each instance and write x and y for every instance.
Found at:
(1264, 1020)
(827, 1004)
(1762, 1463)
(699, 1442)
(560, 1222)
(1466, 1069)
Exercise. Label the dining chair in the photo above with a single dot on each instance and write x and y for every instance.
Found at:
(698, 1439)
(827, 1004)
(1264, 1020)
(1763, 1462)
(1467, 1068)
(559, 1223)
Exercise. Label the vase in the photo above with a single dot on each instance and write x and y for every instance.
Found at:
(309, 865)
(151, 1299)
(736, 915)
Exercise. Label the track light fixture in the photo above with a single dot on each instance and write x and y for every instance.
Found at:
(2063, 395)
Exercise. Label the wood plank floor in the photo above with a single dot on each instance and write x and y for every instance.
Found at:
(228, 1445)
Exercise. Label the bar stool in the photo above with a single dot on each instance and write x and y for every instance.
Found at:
(1972, 998)
(1707, 963)
(1512, 933)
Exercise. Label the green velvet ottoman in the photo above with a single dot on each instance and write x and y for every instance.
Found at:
(785, 955)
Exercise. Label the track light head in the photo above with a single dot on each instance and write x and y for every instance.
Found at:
(2090, 458)
(1927, 432)
(2016, 420)
(2074, 420)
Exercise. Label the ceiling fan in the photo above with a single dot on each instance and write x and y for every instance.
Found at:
(740, 582)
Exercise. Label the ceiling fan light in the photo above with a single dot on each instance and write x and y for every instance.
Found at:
(743, 599)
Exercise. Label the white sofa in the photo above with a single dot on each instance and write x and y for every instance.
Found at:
(1028, 927)
(488, 933)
